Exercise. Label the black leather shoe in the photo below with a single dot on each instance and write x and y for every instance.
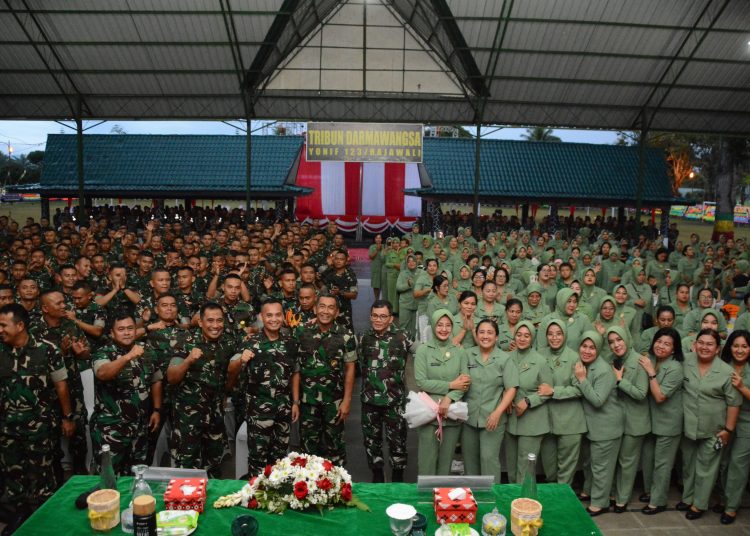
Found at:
(682, 507)
(620, 509)
(692, 515)
(653, 511)
(726, 519)
(645, 498)
(583, 497)
(594, 513)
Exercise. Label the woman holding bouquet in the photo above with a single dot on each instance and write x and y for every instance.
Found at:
(441, 371)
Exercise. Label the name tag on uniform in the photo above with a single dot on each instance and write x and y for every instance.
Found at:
(472, 366)
(436, 364)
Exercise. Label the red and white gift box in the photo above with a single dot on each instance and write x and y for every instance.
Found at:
(185, 494)
(454, 511)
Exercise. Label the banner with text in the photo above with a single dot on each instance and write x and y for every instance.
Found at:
(364, 142)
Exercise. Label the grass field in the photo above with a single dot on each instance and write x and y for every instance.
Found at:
(21, 211)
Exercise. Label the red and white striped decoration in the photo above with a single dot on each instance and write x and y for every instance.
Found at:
(336, 193)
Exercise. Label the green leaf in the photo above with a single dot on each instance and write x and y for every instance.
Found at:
(356, 503)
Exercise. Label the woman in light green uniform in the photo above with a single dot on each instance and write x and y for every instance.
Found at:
(407, 306)
(488, 307)
(605, 320)
(737, 353)
(566, 311)
(590, 293)
(513, 313)
(375, 253)
(562, 447)
(461, 280)
(392, 268)
(441, 297)
(709, 319)
(463, 322)
(604, 421)
(440, 369)
(422, 289)
(711, 405)
(494, 381)
(663, 366)
(632, 388)
(529, 421)
(624, 313)
(534, 307)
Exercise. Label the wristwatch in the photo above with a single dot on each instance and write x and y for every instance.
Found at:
(296, 402)
(652, 377)
(725, 429)
(528, 402)
(68, 417)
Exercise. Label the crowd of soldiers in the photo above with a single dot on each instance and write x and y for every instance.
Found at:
(179, 322)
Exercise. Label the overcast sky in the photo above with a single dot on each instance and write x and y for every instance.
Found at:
(27, 136)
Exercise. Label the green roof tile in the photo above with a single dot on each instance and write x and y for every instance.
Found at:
(173, 163)
(523, 169)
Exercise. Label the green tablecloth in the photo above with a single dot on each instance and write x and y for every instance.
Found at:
(562, 512)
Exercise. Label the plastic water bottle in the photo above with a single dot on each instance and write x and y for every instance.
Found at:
(528, 487)
(108, 480)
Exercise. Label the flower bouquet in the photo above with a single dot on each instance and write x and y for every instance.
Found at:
(299, 482)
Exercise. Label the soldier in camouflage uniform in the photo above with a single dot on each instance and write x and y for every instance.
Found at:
(117, 297)
(303, 310)
(28, 297)
(383, 351)
(139, 280)
(165, 339)
(128, 391)
(239, 315)
(325, 381)
(158, 284)
(73, 346)
(341, 282)
(188, 297)
(200, 379)
(32, 384)
(88, 315)
(257, 274)
(268, 361)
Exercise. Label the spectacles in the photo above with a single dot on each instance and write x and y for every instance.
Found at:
(380, 317)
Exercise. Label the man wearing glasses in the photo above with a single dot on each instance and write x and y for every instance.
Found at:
(382, 352)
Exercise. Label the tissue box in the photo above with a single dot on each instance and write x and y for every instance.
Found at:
(450, 511)
(185, 494)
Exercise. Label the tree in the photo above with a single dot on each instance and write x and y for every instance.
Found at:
(540, 134)
(117, 129)
(679, 149)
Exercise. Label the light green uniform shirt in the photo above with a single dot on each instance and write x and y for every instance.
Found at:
(666, 418)
(706, 398)
(601, 405)
(436, 365)
(489, 380)
(532, 371)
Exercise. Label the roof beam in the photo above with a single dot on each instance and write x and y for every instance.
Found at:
(645, 122)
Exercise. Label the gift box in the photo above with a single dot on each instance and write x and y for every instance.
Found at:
(454, 510)
(185, 494)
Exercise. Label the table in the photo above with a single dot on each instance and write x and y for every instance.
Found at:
(563, 514)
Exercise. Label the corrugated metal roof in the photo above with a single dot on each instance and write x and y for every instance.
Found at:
(569, 63)
(170, 165)
(522, 170)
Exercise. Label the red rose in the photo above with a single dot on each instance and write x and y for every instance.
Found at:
(252, 480)
(327, 465)
(324, 484)
(346, 492)
(302, 462)
(300, 490)
(267, 470)
(252, 503)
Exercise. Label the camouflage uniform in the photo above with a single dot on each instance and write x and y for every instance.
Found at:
(164, 345)
(383, 361)
(122, 408)
(322, 359)
(188, 304)
(94, 315)
(139, 283)
(198, 438)
(119, 304)
(266, 388)
(345, 282)
(237, 317)
(67, 328)
(43, 279)
(257, 274)
(29, 417)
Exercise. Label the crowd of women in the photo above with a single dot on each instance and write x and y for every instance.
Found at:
(589, 353)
